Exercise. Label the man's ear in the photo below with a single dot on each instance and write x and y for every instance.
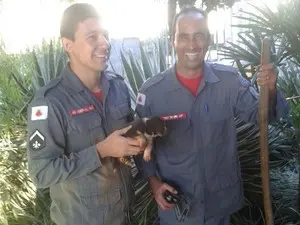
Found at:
(67, 44)
(171, 41)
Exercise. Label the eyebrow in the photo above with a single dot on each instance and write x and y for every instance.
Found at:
(91, 32)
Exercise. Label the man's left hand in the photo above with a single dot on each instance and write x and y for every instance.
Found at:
(267, 76)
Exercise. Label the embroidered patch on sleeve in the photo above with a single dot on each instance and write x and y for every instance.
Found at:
(37, 141)
(141, 99)
(39, 112)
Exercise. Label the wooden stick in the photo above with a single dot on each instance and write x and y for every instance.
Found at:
(264, 150)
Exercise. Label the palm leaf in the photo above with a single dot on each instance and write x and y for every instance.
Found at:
(137, 70)
(129, 73)
(148, 70)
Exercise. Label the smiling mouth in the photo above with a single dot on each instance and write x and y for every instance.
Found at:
(103, 57)
(192, 56)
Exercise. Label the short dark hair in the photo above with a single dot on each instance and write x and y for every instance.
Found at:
(186, 10)
(73, 15)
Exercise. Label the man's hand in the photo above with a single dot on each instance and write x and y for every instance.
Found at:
(115, 145)
(158, 188)
(267, 77)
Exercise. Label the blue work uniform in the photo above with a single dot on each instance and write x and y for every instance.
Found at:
(65, 121)
(199, 155)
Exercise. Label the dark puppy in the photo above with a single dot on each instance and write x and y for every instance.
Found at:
(145, 130)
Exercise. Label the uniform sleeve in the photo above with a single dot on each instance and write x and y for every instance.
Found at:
(246, 103)
(130, 117)
(143, 110)
(281, 108)
(48, 162)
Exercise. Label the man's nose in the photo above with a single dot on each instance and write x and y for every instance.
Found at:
(103, 42)
(192, 43)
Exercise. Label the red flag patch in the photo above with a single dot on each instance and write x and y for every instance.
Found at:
(141, 99)
(39, 112)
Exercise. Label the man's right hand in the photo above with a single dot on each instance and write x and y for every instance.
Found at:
(115, 145)
(158, 188)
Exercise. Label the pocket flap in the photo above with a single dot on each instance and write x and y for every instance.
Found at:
(85, 122)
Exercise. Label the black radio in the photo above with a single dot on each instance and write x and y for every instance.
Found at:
(171, 197)
(181, 202)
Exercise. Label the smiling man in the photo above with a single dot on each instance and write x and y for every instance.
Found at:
(199, 101)
(74, 130)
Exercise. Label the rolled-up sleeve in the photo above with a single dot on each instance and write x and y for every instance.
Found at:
(282, 107)
(246, 103)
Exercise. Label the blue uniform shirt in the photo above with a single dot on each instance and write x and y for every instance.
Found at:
(199, 154)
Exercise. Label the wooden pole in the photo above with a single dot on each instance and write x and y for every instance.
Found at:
(264, 150)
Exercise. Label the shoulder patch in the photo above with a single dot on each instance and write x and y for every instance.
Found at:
(141, 99)
(39, 112)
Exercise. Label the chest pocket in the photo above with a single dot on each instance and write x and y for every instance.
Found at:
(178, 126)
(85, 130)
(86, 121)
(178, 143)
(216, 122)
(121, 114)
(217, 114)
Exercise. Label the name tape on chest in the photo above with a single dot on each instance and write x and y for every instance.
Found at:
(86, 109)
(39, 112)
(141, 99)
(178, 116)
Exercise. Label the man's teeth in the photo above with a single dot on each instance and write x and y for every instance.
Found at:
(192, 55)
(101, 56)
